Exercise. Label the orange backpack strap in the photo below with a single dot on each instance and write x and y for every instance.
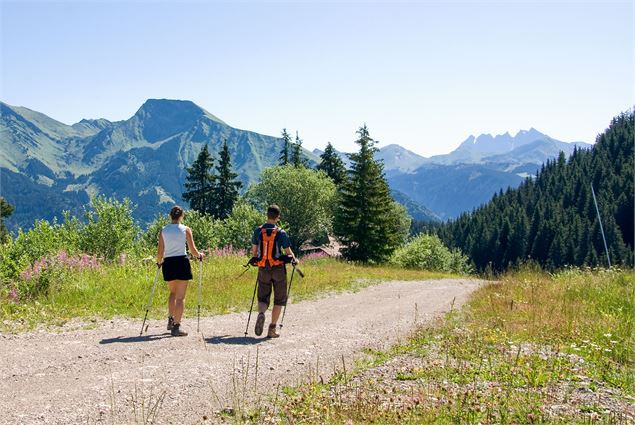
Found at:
(267, 245)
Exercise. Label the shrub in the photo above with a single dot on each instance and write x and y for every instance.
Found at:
(150, 238)
(42, 239)
(205, 229)
(110, 229)
(51, 270)
(428, 252)
(238, 227)
(306, 197)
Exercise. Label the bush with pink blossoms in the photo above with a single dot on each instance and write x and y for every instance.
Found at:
(226, 251)
(316, 255)
(43, 273)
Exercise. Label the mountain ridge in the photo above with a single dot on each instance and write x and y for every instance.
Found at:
(144, 158)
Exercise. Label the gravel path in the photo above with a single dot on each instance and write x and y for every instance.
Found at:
(112, 375)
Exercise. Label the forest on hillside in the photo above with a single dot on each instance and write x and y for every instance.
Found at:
(552, 219)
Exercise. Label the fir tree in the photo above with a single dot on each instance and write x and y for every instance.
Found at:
(363, 217)
(296, 153)
(332, 165)
(552, 219)
(226, 187)
(6, 209)
(199, 183)
(286, 148)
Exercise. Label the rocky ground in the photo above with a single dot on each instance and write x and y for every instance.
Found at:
(110, 374)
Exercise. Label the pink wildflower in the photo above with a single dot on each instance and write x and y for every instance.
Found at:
(13, 295)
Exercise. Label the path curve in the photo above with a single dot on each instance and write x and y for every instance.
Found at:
(110, 375)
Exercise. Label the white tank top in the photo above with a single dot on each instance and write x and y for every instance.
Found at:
(174, 240)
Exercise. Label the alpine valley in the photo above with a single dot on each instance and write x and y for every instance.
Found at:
(47, 166)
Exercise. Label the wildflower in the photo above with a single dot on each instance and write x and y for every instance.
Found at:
(13, 295)
(62, 256)
(608, 335)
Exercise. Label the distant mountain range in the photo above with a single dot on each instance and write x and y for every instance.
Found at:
(471, 174)
(47, 166)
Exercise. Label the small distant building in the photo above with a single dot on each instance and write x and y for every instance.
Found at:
(332, 249)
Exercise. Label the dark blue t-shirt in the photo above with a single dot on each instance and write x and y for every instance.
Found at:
(282, 239)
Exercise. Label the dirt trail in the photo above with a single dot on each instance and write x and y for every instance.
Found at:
(112, 375)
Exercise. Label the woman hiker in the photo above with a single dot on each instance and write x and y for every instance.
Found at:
(172, 257)
(268, 243)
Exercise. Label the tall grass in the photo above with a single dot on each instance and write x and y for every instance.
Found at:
(530, 348)
(122, 290)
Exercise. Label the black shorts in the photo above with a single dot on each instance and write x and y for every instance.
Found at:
(176, 268)
(275, 277)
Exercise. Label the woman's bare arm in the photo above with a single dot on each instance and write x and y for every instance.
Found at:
(190, 243)
(160, 249)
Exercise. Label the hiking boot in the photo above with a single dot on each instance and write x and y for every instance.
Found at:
(170, 323)
(176, 330)
(272, 332)
(260, 323)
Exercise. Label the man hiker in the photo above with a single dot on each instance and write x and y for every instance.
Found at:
(267, 244)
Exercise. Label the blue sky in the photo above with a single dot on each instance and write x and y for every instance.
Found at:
(422, 74)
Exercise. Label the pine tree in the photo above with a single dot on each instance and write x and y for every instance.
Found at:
(6, 209)
(226, 187)
(199, 184)
(296, 153)
(286, 148)
(332, 165)
(363, 220)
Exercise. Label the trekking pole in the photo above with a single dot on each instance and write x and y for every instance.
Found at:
(200, 279)
(284, 311)
(246, 266)
(156, 278)
(253, 297)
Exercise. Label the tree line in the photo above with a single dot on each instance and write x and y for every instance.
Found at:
(360, 211)
(551, 219)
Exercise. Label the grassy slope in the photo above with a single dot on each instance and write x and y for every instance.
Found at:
(531, 348)
(124, 290)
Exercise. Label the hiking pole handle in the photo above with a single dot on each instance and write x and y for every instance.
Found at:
(246, 266)
(299, 271)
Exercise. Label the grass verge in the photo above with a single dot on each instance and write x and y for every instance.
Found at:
(531, 348)
(123, 290)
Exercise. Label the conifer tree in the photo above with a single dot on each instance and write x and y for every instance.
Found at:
(199, 183)
(363, 220)
(296, 153)
(285, 154)
(552, 219)
(6, 209)
(226, 187)
(332, 165)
